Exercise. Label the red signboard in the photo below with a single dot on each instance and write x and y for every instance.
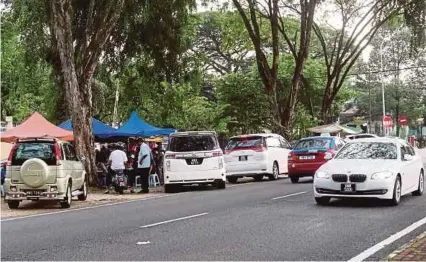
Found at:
(387, 122)
(403, 121)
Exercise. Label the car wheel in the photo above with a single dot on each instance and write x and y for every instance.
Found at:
(294, 179)
(421, 187)
(221, 185)
(83, 188)
(68, 198)
(171, 188)
(258, 178)
(275, 172)
(323, 201)
(396, 199)
(232, 179)
(13, 204)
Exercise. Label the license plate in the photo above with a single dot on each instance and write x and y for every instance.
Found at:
(348, 187)
(243, 158)
(306, 157)
(193, 161)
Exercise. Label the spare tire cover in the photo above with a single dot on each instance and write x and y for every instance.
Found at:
(34, 172)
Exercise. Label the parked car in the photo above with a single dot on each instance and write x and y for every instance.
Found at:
(384, 168)
(310, 153)
(359, 136)
(256, 156)
(193, 158)
(44, 169)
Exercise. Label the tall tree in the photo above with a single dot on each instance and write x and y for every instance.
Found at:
(360, 22)
(80, 32)
(250, 11)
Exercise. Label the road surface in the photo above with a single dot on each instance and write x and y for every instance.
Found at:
(270, 220)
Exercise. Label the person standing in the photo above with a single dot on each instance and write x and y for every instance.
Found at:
(144, 165)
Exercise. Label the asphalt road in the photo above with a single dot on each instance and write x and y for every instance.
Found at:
(242, 222)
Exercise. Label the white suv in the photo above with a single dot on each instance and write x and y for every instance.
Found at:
(44, 169)
(256, 156)
(193, 158)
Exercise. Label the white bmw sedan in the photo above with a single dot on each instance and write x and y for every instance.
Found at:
(383, 168)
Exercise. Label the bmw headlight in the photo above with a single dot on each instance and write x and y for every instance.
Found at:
(322, 174)
(381, 175)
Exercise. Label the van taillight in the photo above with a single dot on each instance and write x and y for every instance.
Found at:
(260, 149)
(217, 153)
(171, 156)
(58, 154)
(11, 153)
(290, 156)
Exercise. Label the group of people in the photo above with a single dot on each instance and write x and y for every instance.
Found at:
(142, 159)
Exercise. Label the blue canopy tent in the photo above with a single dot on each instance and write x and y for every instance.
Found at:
(135, 127)
(99, 129)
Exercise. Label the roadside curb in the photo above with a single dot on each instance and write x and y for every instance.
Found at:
(404, 252)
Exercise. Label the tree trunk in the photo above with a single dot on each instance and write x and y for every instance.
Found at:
(79, 95)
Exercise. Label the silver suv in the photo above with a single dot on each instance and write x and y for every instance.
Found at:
(44, 169)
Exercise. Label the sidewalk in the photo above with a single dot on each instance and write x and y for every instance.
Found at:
(95, 197)
(415, 250)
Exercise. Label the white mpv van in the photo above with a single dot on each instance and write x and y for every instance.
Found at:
(193, 158)
(256, 156)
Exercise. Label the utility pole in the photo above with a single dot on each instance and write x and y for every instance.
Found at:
(383, 88)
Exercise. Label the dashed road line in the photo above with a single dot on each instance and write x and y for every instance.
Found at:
(173, 220)
(290, 195)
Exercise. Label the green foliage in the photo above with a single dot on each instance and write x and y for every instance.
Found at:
(26, 84)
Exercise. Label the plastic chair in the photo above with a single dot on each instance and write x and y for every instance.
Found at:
(154, 180)
(138, 182)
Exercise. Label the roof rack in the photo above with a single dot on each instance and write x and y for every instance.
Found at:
(36, 139)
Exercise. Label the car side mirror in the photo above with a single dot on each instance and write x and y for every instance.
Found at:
(408, 157)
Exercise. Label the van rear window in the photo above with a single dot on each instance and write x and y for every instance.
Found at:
(41, 150)
(192, 143)
(314, 143)
(246, 142)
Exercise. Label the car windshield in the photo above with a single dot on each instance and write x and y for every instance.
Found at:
(314, 143)
(368, 150)
(192, 143)
(245, 142)
(25, 151)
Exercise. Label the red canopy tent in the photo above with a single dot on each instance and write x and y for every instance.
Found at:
(36, 126)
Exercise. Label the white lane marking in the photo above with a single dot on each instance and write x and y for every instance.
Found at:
(83, 208)
(290, 195)
(372, 250)
(173, 220)
(143, 243)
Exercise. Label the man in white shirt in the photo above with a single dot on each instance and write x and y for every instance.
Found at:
(117, 161)
(144, 165)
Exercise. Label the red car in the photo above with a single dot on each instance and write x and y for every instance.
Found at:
(310, 153)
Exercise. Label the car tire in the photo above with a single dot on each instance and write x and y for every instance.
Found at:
(322, 201)
(258, 178)
(68, 199)
(232, 179)
(221, 185)
(170, 188)
(396, 197)
(83, 188)
(421, 187)
(294, 179)
(13, 204)
(275, 172)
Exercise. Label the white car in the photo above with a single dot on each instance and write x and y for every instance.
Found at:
(256, 156)
(193, 158)
(383, 168)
